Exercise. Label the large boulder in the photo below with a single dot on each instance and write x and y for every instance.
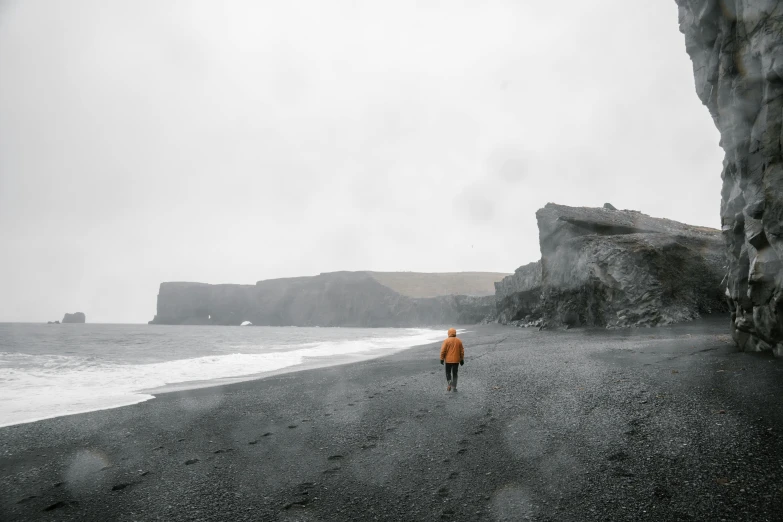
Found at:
(615, 268)
(77, 317)
(737, 51)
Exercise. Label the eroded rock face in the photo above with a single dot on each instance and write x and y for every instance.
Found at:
(737, 51)
(615, 268)
(333, 299)
(77, 317)
(518, 296)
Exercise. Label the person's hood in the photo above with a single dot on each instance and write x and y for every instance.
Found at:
(452, 332)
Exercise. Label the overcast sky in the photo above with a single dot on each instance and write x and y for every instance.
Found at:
(227, 142)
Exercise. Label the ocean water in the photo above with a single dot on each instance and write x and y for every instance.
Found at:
(52, 370)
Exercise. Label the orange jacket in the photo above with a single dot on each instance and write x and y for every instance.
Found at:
(452, 350)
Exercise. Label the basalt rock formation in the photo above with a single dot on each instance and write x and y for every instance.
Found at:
(518, 296)
(615, 268)
(737, 53)
(334, 299)
(77, 317)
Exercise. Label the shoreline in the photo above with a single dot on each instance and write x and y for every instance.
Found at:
(143, 394)
(558, 425)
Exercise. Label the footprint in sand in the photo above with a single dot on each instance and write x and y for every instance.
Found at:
(27, 499)
(462, 451)
(222, 451)
(302, 490)
(332, 470)
(298, 504)
(291, 426)
(454, 474)
(334, 457)
(443, 492)
(267, 434)
(119, 487)
(191, 461)
(369, 446)
(61, 504)
(619, 456)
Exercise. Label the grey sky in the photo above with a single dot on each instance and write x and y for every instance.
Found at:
(149, 141)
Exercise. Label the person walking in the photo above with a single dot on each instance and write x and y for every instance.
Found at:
(452, 353)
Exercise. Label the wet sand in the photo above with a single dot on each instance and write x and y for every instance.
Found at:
(650, 424)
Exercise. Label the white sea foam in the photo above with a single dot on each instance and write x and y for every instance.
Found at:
(35, 387)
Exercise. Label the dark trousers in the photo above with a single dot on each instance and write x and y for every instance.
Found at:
(451, 373)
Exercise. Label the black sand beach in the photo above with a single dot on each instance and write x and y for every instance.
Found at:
(649, 424)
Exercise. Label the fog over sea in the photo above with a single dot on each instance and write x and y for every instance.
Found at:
(53, 370)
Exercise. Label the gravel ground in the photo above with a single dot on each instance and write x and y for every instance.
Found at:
(646, 424)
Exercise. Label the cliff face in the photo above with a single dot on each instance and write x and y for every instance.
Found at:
(615, 268)
(334, 299)
(77, 317)
(737, 51)
(518, 296)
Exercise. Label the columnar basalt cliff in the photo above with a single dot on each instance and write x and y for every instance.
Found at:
(333, 299)
(737, 51)
(615, 268)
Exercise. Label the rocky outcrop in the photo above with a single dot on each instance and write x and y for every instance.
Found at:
(737, 51)
(518, 296)
(334, 299)
(615, 268)
(77, 317)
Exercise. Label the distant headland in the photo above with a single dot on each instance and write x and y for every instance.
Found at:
(599, 267)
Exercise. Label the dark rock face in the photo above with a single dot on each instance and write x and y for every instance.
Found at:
(518, 296)
(615, 268)
(737, 53)
(334, 299)
(77, 317)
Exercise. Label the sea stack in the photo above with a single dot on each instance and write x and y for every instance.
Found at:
(77, 317)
